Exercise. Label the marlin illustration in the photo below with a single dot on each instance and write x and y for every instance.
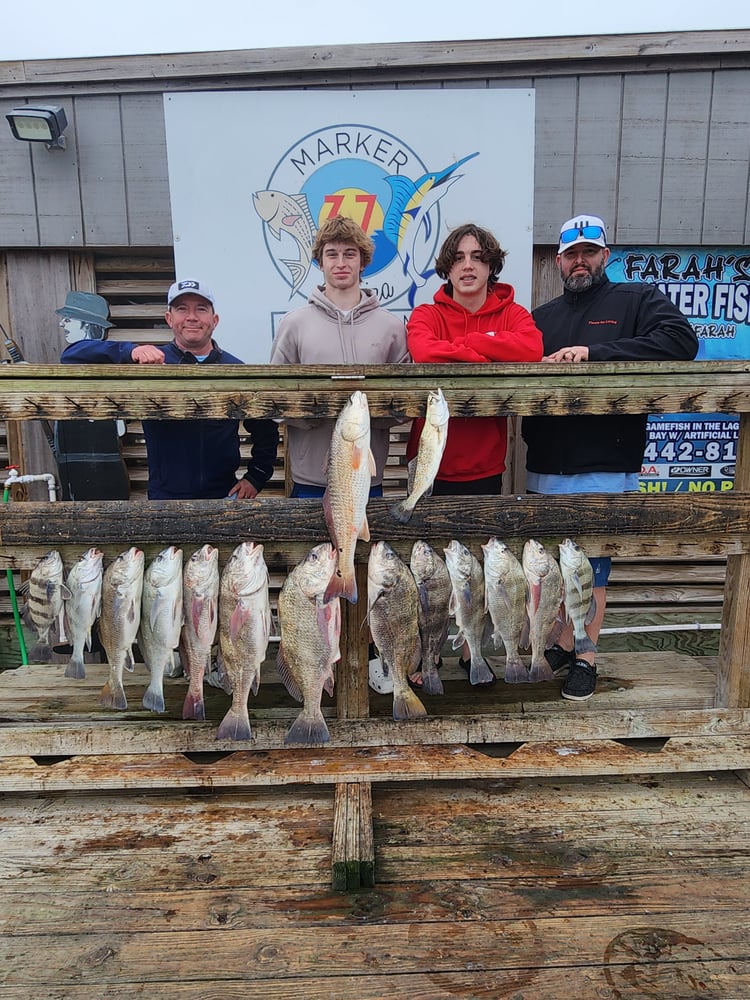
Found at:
(411, 203)
(289, 213)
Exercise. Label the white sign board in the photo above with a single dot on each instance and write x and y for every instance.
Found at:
(253, 175)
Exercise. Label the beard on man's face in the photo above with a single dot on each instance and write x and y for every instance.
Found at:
(582, 281)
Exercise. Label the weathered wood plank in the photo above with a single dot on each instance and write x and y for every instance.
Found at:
(137, 392)
(426, 763)
(509, 947)
(641, 157)
(525, 56)
(123, 523)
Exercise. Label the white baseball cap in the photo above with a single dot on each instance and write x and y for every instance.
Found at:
(189, 287)
(582, 229)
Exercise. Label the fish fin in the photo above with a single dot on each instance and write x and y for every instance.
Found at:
(256, 681)
(330, 680)
(406, 705)
(481, 672)
(286, 675)
(75, 668)
(591, 613)
(431, 682)
(41, 652)
(65, 592)
(237, 620)
(308, 729)
(153, 700)
(129, 661)
(113, 697)
(515, 671)
(525, 638)
(585, 645)
(458, 640)
(402, 511)
(327, 511)
(235, 726)
(194, 706)
(364, 531)
(371, 460)
(342, 584)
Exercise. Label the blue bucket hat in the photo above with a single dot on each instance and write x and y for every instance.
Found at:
(87, 308)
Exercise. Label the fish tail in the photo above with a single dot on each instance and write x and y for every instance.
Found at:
(153, 699)
(402, 511)
(75, 668)
(406, 705)
(40, 652)
(431, 682)
(343, 583)
(481, 672)
(584, 645)
(308, 728)
(194, 706)
(515, 670)
(113, 696)
(540, 670)
(235, 726)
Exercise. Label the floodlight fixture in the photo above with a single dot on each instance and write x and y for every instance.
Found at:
(45, 123)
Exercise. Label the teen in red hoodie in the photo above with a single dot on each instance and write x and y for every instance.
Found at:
(473, 319)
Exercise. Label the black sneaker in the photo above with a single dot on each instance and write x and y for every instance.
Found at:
(559, 659)
(580, 683)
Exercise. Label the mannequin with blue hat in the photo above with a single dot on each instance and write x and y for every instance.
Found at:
(84, 317)
(88, 452)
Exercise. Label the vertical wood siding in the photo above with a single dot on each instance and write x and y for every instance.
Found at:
(663, 156)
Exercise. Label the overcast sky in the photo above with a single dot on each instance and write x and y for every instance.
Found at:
(50, 29)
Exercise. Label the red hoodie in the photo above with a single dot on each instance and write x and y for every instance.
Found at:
(446, 332)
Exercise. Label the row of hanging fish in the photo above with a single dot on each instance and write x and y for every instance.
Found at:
(166, 607)
(517, 604)
(350, 469)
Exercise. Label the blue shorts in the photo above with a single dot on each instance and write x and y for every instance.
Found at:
(601, 568)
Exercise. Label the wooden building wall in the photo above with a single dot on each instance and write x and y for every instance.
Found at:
(651, 130)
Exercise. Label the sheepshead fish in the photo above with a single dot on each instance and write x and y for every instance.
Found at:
(200, 606)
(350, 471)
(393, 611)
(505, 595)
(310, 630)
(468, 607)
(429, 455)
(122, 586)
(161, 621)
(543, 604)
(244, 628)
(434, 589)
(45, 591)
(578, 593)
(83, 607)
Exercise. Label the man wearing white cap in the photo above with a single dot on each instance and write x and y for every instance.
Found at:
(190, 459)
(596, 320)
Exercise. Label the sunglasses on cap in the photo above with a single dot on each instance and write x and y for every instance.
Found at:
(585, 232)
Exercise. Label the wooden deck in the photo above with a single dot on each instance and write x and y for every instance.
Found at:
(625, 887)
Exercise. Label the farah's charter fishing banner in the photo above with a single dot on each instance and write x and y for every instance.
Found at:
(253, 175)
(694, 452)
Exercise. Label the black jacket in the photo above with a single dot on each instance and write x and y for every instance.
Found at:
(618, 321)
(190, 459)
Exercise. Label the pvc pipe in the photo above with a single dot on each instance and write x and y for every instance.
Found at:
(13, 478)
(695, 627)
(14, 601)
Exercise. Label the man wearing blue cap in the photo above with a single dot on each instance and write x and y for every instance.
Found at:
(190, 459)
(596, 320)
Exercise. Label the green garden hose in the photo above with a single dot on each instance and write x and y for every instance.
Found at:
(14, 600)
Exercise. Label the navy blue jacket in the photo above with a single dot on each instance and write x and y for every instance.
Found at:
(618, 321)
(190, 459)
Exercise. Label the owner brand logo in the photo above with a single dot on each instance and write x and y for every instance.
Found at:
(368, 175)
